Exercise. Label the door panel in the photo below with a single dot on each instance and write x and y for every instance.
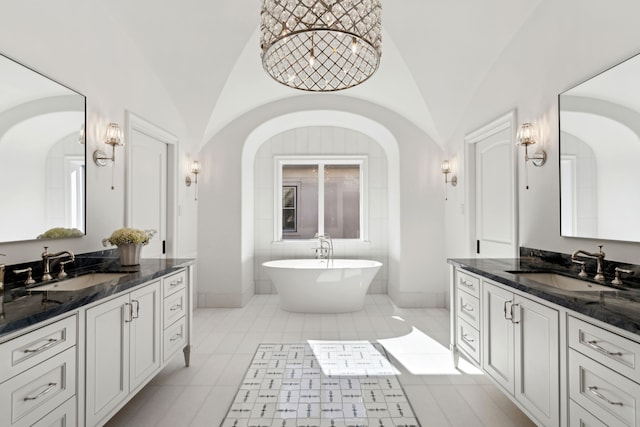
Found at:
(537, 360)
(107, 358)
(495, 200)
(497, 335)
(145, 334)
(491, 195)
(149, 189)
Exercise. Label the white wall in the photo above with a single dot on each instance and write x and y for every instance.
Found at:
(562, 44)
(78, 44)
(327, 141)
(417, 271)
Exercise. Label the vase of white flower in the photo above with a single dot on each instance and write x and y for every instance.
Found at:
(129, 242)
(129, 254)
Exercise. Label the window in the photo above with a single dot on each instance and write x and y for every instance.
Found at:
(289, 204)
(320, 195)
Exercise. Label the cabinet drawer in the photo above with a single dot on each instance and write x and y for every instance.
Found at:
(25, 351)
(615, 352)
(468, 283)
(468, 308)
(175, 338)
(36, 392)
(174, 307)
(174, 283)
(468, 339)
(601, 391)
(580, 417)
(63, 416)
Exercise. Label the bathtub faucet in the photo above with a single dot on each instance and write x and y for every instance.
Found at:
(325, 250)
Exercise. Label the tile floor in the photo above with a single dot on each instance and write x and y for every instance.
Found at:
(225, 341)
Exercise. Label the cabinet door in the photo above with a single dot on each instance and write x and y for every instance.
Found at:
(107, 370)
(537, 381)
(497, 335)
(144, 334)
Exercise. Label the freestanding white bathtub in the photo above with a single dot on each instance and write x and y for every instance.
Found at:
(322, 286)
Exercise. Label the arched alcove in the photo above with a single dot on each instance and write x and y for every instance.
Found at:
(322, 118)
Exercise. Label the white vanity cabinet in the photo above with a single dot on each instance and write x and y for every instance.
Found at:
(604, 375)
(174, 317)
(38, 372)
(467, 315)
(521, 350)
(122, 348)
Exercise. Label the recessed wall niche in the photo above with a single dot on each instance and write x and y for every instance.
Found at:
(320, 140)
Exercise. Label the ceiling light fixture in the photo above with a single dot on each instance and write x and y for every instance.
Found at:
(321, 45)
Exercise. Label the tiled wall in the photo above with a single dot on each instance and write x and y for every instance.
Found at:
(328, 141)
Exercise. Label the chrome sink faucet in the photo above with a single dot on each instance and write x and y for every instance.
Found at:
(600, 258)
(46, 256)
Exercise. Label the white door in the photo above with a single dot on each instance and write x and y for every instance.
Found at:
(145, 334)
(493, 198)
(149, 189)
(107, 380)
(497, 335)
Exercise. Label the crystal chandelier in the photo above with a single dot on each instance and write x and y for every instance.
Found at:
(321, 45)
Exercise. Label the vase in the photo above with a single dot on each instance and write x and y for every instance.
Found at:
(129, 254)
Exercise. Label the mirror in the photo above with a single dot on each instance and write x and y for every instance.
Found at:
(599, 154)
(42, 156)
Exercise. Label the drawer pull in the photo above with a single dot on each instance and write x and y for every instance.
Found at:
(175, 337)
(176, 307)
(466, 307)
(464, 282)
(510, 311)
(50, 387)
(137, 315)
(176, 283)
(50, 342)
(515, 322)
(594, 345)
(594, 391)
(467, 338)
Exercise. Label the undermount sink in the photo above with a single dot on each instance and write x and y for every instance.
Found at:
(80, 282)
(563, 282)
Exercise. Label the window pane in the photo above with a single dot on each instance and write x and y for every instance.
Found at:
(342, 201)
(304, 178)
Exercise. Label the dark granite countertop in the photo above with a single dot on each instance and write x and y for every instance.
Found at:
(22, 307)
(619, 307)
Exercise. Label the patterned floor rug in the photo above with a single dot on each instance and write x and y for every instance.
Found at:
(320, 384)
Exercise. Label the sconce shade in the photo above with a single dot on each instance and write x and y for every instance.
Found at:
(196, 167)
(446, 168)
(527, 135)
(113, 135)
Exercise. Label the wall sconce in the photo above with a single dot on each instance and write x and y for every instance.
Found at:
(196, 168)
(113, 137)
(446, 170)
(528, 135)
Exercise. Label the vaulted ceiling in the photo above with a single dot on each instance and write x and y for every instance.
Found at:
(435, 55)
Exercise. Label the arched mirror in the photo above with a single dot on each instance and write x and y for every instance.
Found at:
(42, 156)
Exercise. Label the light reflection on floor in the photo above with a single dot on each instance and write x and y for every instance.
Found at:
(350, 358)
(422, 355)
